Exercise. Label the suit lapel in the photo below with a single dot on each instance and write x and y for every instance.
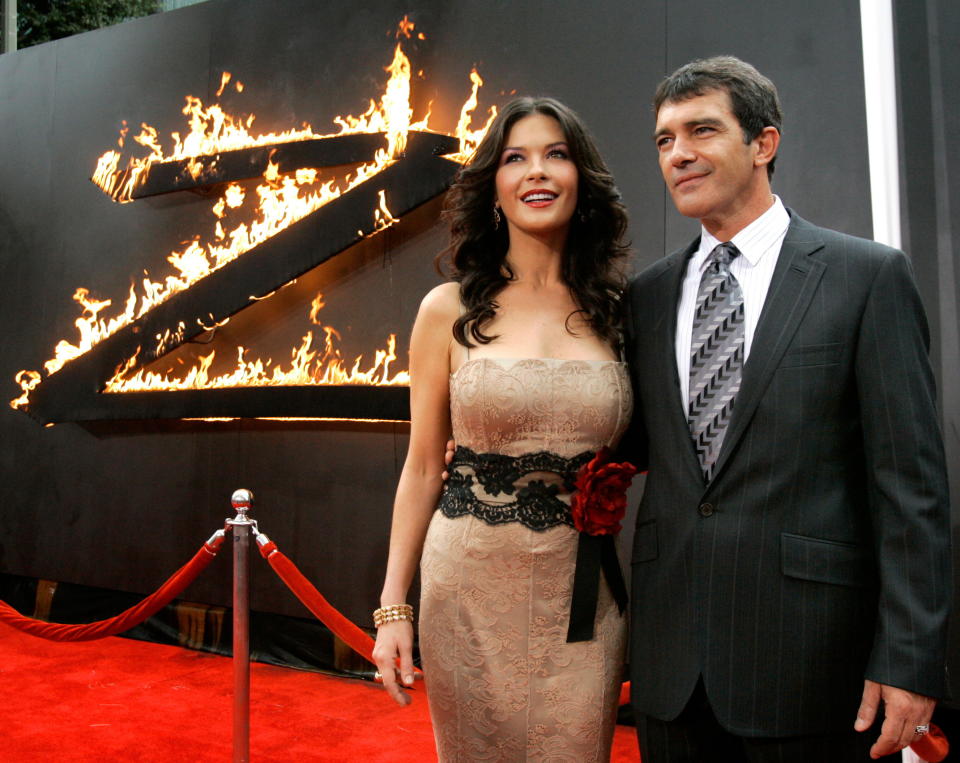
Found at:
(668, 299)
(794, 283)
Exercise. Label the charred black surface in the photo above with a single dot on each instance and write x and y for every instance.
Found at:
(245, 163)
(350, 402)
(74, 392)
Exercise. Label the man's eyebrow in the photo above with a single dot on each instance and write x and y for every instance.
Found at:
(689, 124)
(709, 121)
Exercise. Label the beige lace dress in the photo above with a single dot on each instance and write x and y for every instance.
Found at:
(497, 570)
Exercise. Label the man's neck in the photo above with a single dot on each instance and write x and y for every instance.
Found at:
(725, 227)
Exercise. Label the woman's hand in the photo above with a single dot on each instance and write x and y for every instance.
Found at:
(395, 640)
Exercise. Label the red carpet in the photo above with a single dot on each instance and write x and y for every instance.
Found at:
(120, 700)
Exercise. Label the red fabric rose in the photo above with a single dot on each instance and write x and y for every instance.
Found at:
(600, 502)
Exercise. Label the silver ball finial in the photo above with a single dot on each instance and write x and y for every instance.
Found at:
(242, 500)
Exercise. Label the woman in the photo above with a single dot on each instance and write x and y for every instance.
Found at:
(518, 359)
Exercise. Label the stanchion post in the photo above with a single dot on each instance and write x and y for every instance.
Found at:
(242, 501)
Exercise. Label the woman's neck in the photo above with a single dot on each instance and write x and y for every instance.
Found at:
(536, 261)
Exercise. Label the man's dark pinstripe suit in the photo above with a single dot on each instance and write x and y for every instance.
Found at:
(819, 554)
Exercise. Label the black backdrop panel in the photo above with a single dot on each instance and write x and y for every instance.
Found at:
(928, 74)
(122, 509)
(946, 27)
(812, 52)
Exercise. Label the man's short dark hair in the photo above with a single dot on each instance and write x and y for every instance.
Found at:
(753, 97)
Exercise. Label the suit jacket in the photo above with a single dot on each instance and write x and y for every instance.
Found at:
(819, 554)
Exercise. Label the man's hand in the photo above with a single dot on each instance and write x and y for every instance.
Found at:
(447, 458)
(903, 711)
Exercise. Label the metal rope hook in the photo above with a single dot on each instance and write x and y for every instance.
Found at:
(242, 501)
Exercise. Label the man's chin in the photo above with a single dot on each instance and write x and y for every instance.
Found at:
(690, 207)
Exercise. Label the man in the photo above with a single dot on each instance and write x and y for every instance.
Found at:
(790, 567)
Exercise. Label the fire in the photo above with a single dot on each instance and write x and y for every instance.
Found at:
(405, 27)
(27, 381)
(470, 139)
(308, 365)
(382, 219)
(276, 203)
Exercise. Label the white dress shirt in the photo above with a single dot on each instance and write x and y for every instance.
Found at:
(759, 244)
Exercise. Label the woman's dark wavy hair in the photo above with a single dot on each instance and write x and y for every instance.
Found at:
(591, 265)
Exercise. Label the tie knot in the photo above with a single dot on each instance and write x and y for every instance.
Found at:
(723, 254)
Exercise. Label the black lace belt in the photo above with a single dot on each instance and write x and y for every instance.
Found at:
(526, 489)
(522, 489)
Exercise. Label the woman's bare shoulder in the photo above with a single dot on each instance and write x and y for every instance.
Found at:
(441, 303)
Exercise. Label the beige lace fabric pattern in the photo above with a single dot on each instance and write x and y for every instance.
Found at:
(502, 682)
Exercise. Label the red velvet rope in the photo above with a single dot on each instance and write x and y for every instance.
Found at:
(125, 620)
(311, 598)
(933, 746)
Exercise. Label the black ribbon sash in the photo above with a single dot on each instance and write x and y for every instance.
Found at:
(594, 553)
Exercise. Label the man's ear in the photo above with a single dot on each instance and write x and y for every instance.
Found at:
(766, 143)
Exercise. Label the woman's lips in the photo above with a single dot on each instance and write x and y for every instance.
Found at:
(539, 198)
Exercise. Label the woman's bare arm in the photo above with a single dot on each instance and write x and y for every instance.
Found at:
(420, 481)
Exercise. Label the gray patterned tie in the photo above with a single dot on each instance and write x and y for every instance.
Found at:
(716, 355)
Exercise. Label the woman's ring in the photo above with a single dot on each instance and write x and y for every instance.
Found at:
(378, 677)
(921, 729)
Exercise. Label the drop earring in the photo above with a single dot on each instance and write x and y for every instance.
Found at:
(496, 217)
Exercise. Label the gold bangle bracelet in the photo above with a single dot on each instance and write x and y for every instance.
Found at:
(392, 613)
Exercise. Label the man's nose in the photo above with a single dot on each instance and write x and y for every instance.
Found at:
(681, 152)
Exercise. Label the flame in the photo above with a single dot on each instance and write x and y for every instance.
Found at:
(216, 324)
(27, 381)
(405, 28)
(309, 365)
(470, 139)
(382, 219)
(277, 202)
(171, 338)
(224, 80)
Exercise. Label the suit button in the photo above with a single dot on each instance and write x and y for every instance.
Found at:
(706, 509)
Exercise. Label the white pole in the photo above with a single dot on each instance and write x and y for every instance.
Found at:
(880, 88)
